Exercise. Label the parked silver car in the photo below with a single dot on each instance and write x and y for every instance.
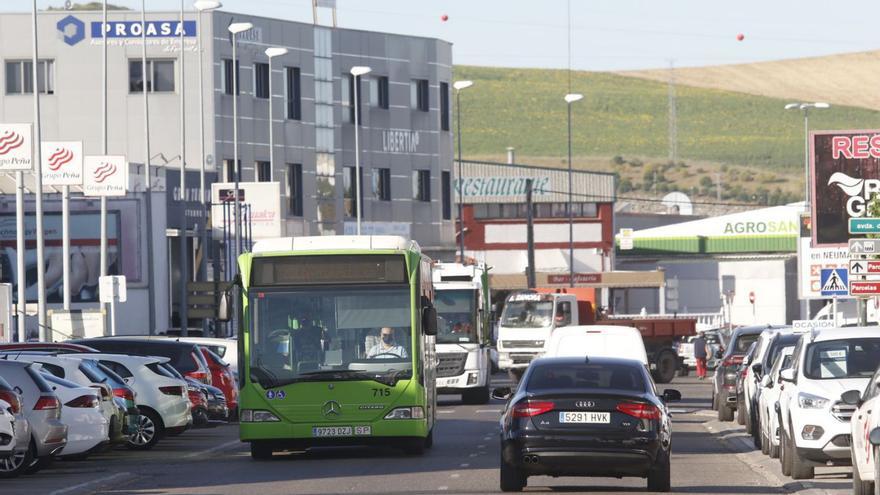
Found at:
(11, 401)
(42, 409)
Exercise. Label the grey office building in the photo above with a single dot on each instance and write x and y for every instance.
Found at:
(405, 133)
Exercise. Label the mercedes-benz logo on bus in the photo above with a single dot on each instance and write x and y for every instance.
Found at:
(331, 408)
(585, 404)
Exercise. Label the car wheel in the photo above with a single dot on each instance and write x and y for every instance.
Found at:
(429, 440)
(261, 451)
(800, 469)
(876, 472)
(39, 463)
(784, 454)
(15, 465)
(740, 414)
(475, 396)
(660, 476)
(725, 413)
(859, 487)
(765, 443)
(512, 479)
(756, 431)
(667, 364)
(147, 432)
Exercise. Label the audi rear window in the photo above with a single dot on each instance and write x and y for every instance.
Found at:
(554, 376)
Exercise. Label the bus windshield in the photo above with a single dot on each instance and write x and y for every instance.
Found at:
(330, 334)
(527, 314)
(456, 316)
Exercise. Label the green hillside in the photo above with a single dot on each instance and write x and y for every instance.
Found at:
(750, 140)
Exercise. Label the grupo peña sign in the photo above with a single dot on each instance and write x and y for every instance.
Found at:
(846, 174)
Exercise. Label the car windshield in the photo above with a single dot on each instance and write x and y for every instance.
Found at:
(330, 334)
(744, 342)
(586, 376)
(527, 314)
(456, 315)
(845, 358)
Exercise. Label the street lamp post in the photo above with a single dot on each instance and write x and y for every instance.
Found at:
(183, 252)
(38, 185)
(235, 29)
(569, 99)
(203, 6)
(458, 86)
(356, 72)
(272, 52)
(805, 107)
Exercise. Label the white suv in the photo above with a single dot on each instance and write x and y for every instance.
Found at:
(815, 429)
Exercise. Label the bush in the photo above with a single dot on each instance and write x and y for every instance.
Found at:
(618, 160)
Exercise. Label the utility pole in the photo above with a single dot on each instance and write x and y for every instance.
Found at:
(530, 236)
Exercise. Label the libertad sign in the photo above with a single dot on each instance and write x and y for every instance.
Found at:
(394, 141)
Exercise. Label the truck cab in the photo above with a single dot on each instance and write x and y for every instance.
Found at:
(527, 322)
(461, 296)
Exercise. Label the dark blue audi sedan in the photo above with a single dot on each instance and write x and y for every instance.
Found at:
(585, 417)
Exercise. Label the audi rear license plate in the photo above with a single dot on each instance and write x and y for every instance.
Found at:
(341, 431)
(585, 417)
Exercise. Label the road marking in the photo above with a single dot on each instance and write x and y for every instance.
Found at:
(481, 446)
(223, 446)
(465, 465)
(446, 411)
(456, 475)
(678, 411)
(480, 411)
(89, 483)
(443, 488)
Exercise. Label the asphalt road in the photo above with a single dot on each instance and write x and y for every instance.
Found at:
(708, 457)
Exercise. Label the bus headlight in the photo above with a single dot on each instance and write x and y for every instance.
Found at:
(415, 412)
(257, 416)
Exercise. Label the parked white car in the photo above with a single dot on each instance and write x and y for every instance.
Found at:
(72, 370)
(815, 421)
(767, 347)
(163, 401)
(771, 386)
(87, 428)
(7, 430)
(865, 430)
(597, 341)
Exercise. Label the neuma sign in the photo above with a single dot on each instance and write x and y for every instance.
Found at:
(846, 175)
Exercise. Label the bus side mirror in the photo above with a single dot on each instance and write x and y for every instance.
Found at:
(429, 320)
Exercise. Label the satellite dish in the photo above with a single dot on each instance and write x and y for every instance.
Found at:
(678, 203)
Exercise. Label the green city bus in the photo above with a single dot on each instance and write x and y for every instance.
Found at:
(336, 344)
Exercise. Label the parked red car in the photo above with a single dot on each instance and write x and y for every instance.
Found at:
(222, 378)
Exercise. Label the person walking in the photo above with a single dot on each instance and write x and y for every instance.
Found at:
(701, 353)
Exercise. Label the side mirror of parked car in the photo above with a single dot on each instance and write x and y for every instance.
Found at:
(787, 375)
(757, 368)
(671, 395)
(874, 436)
(501, 393)
(852, 397)
(766, 382)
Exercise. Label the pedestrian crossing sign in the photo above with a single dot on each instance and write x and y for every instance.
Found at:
(834, 282)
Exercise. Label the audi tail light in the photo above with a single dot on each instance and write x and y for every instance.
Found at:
(639, 410)
(733, 361)
(529, 408)
(84, 401)
(13, 399)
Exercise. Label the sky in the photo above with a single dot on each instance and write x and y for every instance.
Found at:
(606, 35)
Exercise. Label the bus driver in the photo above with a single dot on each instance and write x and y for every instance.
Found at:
(387, 348)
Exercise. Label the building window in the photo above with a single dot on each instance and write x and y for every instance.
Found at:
(295, 189)
(293, 93)
(382, 184)
(446, 185)
(348, 187)
(230, 171)
(227, 76)
(264, 171)
(261, 80)
(160, 76)
(379, 92)
(541, 210)
(418, 94)
(421, 185)
(20, 77)
(444, 106)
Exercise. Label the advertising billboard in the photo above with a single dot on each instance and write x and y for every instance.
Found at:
(62, 163)
(105, 176)
(16, 147)
(846, 174)
(263, 200)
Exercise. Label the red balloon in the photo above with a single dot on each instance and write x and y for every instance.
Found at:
(740, 37)
(444, 17)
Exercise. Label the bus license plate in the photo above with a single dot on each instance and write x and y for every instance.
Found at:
(585, 417)
(341, 431)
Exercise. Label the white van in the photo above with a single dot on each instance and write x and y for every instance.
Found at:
(597, 341)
